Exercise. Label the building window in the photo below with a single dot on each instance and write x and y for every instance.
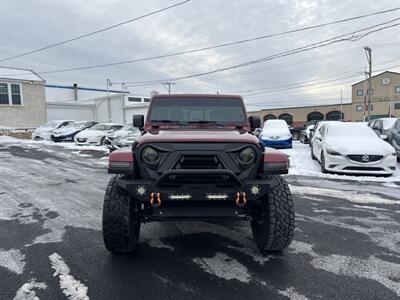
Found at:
(397, 105)
(360, 92)
(370, 92)
(397, 89)
(15, 94)
(10, 94)
(4, 93)
(134, 99)
(359, 107)
(146, 99)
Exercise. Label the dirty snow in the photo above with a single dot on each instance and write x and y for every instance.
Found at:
(292, 294)
(223, 266)
(27, 290)
(13, 260)
(71, 287)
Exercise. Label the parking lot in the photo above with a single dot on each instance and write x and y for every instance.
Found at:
(346, 245)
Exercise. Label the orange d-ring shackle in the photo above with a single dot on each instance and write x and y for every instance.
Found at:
(155, 201)
(241, 199)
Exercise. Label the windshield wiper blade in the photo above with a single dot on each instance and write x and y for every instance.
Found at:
(206, 122)
(168, 122)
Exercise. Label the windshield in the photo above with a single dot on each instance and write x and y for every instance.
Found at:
(275, 124)
(387, 123)
(348, 130)
(101, 127)
(198, 110)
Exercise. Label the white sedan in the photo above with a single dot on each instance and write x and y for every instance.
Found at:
(352, 148)
(44, 131)
(96, 135)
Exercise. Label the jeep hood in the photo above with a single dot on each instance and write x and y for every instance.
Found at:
(199, 136)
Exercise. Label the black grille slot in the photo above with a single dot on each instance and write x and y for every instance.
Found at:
(198, 162)
(363, 169)
(365, 158)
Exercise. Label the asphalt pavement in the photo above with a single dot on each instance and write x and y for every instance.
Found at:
(346, 244)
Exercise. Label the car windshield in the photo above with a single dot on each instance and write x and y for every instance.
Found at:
(198, 110)
(348, 130)
(130, 128)
(101, 127)
(387, 123)
(275, 125)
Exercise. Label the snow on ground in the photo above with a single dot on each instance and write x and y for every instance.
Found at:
(302, 164)
(27, 290)
(13, 260)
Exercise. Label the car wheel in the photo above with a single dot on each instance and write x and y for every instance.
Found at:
(103, 141)
(323, 165)
(274, 220)
(121, 224)
(295, 136)
(312, 153)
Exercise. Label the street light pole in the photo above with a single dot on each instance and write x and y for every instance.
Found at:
(108, 100)
(341, 104)
(123, 88)
(369, 58)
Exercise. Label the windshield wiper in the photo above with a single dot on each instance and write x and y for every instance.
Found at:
(206, 122)
(168, 122)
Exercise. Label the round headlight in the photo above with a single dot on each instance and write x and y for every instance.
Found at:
(247, 155)
(150, 155)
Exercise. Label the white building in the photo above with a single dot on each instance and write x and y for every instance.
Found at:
(101, 105)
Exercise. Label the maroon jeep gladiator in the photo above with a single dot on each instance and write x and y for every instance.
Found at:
(197, 160)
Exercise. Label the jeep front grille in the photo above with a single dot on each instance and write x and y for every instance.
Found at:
(198, 162)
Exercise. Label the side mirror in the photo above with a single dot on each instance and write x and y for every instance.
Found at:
(138, 121)
(383, 137)
(255, 122)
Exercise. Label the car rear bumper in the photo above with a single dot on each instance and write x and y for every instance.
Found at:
(194, 201)
(342, 164)
(277, 143)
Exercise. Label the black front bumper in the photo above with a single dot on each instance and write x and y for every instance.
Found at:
(206, 201)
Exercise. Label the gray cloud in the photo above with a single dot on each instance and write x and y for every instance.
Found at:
(26, 25)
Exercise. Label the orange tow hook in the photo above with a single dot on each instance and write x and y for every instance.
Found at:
(155, 202)
(241, 199)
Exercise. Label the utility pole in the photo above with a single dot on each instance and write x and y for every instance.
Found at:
(167, 85)
(341, 104)
(108, 100)
(123, 89)
(369, 58)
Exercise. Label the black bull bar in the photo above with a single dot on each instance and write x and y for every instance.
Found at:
(159, 201)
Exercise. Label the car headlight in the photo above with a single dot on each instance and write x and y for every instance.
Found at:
(332, 152)
(150, 155)
(247, 156)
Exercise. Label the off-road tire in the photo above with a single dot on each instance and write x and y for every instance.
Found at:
(273, 223)
(121, 224)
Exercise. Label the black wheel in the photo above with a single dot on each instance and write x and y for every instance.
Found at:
(121, 223)
(295, 136)
(273, 223)
(103, 141)
(312, 153)
(323, 168)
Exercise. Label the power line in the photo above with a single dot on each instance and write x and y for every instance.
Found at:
(216, 46)
(352, 36)
(94, 32)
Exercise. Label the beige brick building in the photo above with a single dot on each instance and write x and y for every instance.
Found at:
(22, 98)
(385, 101)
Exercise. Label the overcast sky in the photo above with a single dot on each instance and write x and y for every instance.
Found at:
(29, 24)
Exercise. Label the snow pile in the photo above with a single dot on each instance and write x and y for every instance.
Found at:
(27, 291)
(13, 260)
(71, 287)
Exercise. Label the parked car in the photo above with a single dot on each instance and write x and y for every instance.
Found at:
(316, 128)
(67, 133)
(305, 135)
(295, 131)
(393, 134)
(43, 132)
(381, 126)
(352, 148)
(96, 135)
(124, 137)
(276, 134)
